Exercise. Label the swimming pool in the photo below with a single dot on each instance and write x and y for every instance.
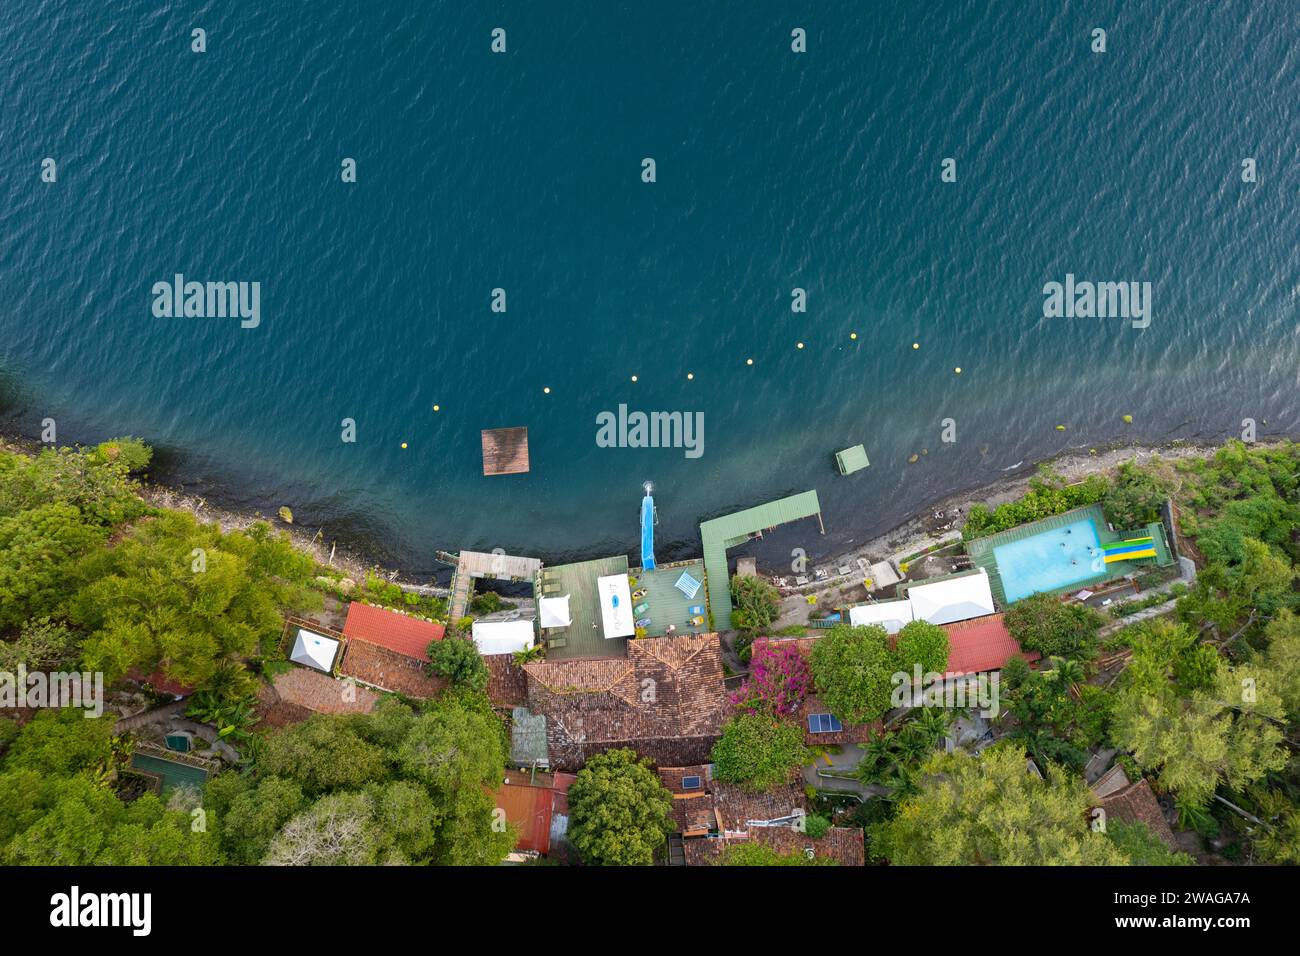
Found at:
(1050, 560)
(174, 773)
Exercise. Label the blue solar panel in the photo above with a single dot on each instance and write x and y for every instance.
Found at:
(690, 783)
(824, 724)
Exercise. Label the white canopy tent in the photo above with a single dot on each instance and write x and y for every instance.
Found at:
(502, 637)
(891, 615)
(615, 605)
(314, 650)
(554, 611)
(956, 599)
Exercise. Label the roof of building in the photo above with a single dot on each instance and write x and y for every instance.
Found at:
(529, 809)
(507, 683)
(1137, 803)
(298, 693)
(397, 632)
(503, 637)
(665, 699)
(583, 637)
(844, 845)
(389, 670)
(950, 598)
(982, 644)
(891, 615)
(162, 683)
(849, 734)
(315, 650)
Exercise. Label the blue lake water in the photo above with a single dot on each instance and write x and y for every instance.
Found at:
(522, 171)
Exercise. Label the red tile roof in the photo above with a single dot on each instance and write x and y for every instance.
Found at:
(162, 683)
(397, 632)
(982, 644)
(530, 810)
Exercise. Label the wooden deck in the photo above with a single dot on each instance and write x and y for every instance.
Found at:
(505, 451)
(484, 564)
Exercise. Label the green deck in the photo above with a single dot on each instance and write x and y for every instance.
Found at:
(981, 549)
(667, 604)
(584, 637)
(719, 534)
(851, 459)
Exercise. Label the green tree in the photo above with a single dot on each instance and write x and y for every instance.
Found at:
(619, 812)
(1135, 497)
(457, 659)
(755, 603)
(1142, 847)
(992, 810)
(1041, 622)
(185, 597)
(758, 752)
(853, 670)
(41, 646)
(37, 548)
(920, 642)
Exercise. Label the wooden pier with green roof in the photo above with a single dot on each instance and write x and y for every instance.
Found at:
(720, 534)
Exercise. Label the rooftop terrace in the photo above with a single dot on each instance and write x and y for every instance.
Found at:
(668, 604)
(584, 637)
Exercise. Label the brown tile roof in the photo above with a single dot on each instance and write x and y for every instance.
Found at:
(1137, 804)
(388, 670)
(736, 807)
(398, 632)
(507, 683)
(851, 734)
(845, 845)
(665, 700)
(296, 694)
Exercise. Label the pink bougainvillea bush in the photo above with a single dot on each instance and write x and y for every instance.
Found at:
(779, 680)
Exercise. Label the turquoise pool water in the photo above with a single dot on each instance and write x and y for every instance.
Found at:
(173, 774)
(1050, 560)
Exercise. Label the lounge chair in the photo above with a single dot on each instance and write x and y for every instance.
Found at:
(641, 608)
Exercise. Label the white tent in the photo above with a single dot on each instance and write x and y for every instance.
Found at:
(554, 611)
(615, 605)
(891, 615)
(956, 599)
(502, 637)
(314, 650)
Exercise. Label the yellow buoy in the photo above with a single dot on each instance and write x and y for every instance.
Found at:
(957, 370)
(403, 444)
(437, 408)
(916, 345)
(634, 378)
(853, 335)
(690, 376)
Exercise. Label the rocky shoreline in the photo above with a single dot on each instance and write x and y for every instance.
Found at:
(915, 534)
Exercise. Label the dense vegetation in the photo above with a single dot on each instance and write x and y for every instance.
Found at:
(619, 812)
(1203, 703)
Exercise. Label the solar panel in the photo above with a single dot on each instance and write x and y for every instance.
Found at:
(824, 724)
(690, 783)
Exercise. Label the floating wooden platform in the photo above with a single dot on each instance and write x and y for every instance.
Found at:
(505, 451)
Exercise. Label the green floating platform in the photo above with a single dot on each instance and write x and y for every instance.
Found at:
(851, 459)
